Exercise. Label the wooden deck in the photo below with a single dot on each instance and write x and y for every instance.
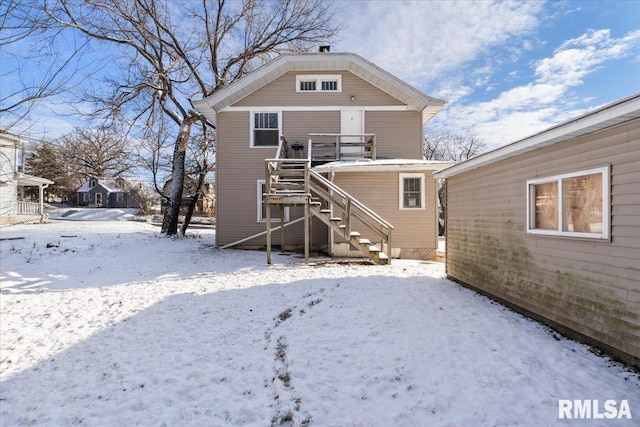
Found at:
(292, 182)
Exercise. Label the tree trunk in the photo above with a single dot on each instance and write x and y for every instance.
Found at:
(171, 214)
(194, 201)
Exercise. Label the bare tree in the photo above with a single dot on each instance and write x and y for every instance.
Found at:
(171, 53)
(28, 42)
(100, 152)
(450, 146)
(71, 159)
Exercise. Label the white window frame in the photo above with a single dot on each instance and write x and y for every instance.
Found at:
(252, 122)
(119, 197)
(318, 79)
(606, 205)
(260, 183)
(86, 197)
(401, 205)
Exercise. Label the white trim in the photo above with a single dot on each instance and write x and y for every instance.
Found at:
(318, 79)
(259, 194)
(606, 204)
(317, 108)
(401, 177)
(252, 126)
(383, 165)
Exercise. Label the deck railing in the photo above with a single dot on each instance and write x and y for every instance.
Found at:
(337, 146)
(28, 208)
(291, 182)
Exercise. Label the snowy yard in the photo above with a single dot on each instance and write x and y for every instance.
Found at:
(105, 323)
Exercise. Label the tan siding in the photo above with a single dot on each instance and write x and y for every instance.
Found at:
(398, 133)
(282, 91)
(238, 169)
(591, 287)
(414, 229)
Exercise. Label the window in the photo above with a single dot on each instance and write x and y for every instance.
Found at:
(262, 210)
(304, 85)
(265, 129)
(120, 197)
(412, 191)
(319, 83)
(329, 85)
(573, 204)
(92, 183)
(86, 197)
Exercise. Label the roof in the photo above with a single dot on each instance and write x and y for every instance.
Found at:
(319, 62)
(25, 180)
(620, 111)
(10, 139)
(109, 184)
(383, 165)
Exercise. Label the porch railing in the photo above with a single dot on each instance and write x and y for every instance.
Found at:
(28, 208)
(337, 146)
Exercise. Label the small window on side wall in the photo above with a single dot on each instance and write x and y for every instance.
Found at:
(262, 207)
(411, 191)
(572, 205)
(265, 129)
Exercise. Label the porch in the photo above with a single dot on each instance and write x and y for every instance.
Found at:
(30, 211)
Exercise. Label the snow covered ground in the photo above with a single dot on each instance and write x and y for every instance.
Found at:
(106, 323)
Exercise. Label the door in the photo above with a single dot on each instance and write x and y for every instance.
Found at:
(351, 123)
(98, 199)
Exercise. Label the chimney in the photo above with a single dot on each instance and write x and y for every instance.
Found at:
(325, 49)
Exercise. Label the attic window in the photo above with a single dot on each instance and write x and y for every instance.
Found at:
(92, 183)
(319, 83)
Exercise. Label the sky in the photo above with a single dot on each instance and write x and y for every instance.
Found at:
(506, 69)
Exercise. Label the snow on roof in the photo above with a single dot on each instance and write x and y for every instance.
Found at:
(383, 165)
(109, 184)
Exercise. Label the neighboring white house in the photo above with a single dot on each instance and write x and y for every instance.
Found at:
(13, 210)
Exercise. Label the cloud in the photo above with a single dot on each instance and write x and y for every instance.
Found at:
(422, 41)
(547, 100)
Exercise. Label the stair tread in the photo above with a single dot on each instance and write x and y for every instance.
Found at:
(365, 242)
(335, 218)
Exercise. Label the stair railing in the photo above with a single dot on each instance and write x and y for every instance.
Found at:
(352, 208)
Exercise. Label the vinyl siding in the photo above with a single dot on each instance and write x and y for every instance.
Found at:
(282, 91)
(398, 133)
(588, 286)
(414, 229)
(8, 186)
(238, 168)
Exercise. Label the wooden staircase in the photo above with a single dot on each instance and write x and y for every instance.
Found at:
(339, 211)
(365, 246)
(292, 182)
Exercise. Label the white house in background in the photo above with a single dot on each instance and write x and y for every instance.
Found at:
(12, 210)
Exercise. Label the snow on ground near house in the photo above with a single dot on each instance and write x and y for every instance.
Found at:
(109, 324)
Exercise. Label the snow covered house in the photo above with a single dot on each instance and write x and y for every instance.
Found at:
(12, 209)
(111, 193)
(329, 147)
(550, 225)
